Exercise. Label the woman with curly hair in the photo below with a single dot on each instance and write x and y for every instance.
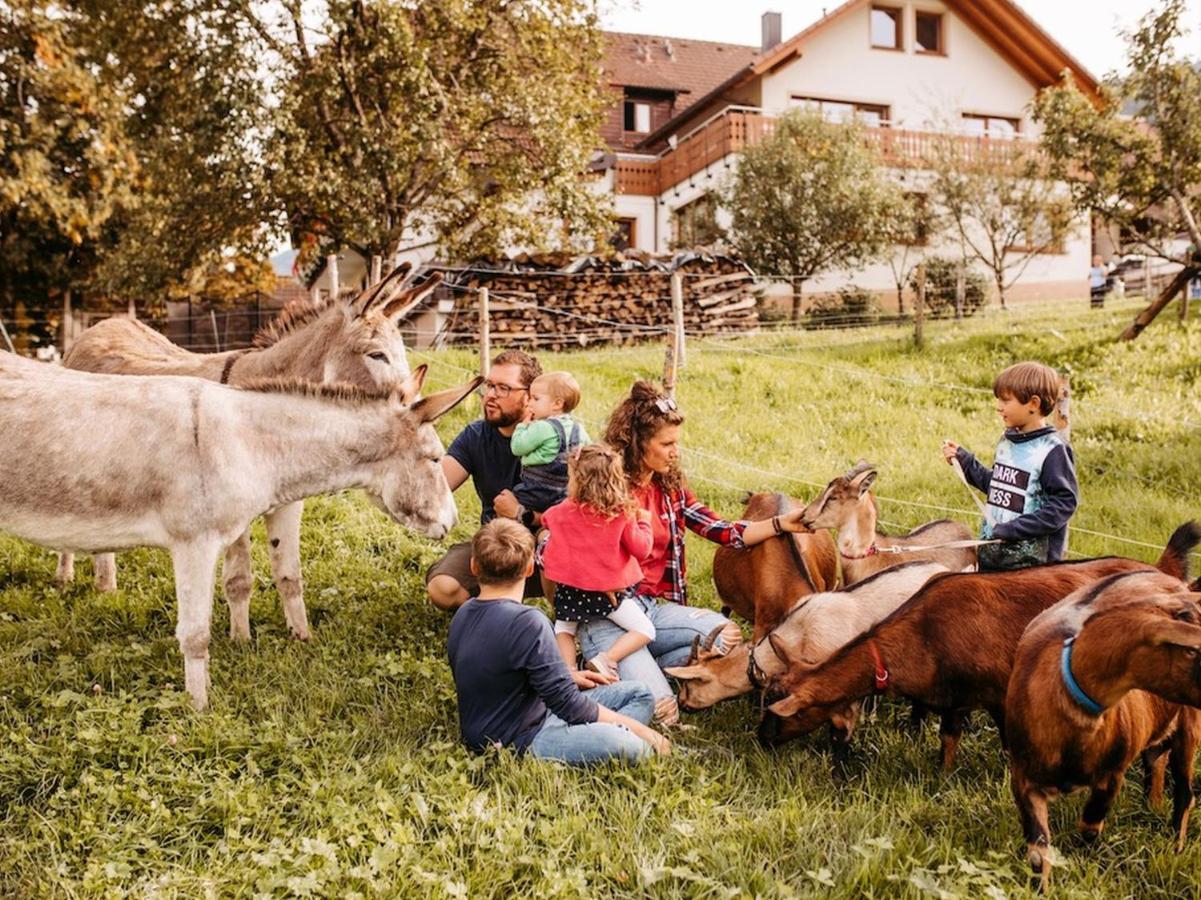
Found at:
(645, 430)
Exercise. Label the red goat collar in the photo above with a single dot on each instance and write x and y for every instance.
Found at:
(882, 676)
(871, 551)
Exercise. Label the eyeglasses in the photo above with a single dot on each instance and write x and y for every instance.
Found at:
(666, 404)
(501, 390)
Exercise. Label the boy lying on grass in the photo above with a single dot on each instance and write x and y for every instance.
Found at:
(515, 691)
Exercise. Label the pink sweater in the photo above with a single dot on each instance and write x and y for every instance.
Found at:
(592, 553)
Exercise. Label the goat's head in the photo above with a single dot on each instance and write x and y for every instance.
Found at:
(789, 714)
(710, 676)
(841, 497)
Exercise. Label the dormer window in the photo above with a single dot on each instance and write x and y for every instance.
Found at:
(637, 117)
(927, 33)
(886, 28)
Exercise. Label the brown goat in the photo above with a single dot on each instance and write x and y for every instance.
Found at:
(950, 648)
(1098, 679)
(763, 582)
(848, 506)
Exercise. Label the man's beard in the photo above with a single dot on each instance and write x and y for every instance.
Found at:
(500, 419)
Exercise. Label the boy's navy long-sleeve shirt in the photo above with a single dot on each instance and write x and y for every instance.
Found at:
(508, 674)
(1061, 494)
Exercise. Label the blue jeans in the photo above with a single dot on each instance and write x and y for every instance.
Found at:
(598, 742)
(675, 627)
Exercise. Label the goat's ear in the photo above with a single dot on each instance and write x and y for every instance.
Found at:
(778, 647)
(406, 300)
(863, 481)
(685, 673)
(437, 405)
(1182, 634)
(789, 706)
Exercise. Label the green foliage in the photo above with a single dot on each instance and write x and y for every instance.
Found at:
(1002, 203)
(332, 768)
(849, 307)
(1141, 173)
(942, 277)
(809, 198)
(466, 121)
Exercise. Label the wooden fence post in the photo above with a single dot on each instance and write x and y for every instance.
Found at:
(677, 316)
(1184, 301)
(331, 268)
(960, 290)
(919, 307)
(485, 333)
(377, 266)
(216, 335)
(671, 363)
(68, 322)
(7, 339)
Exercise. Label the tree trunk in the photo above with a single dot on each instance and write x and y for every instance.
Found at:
(797, 287)
(1144, 318)
(1001, 291)
(900, 298)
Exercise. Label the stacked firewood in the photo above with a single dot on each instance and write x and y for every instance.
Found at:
(559, 303)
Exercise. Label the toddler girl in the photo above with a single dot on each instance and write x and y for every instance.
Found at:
(597, 538)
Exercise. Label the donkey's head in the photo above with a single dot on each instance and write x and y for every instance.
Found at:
(409, 484)
(353, 339)
(841, 499)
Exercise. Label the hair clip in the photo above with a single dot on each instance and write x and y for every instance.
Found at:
(666, 404)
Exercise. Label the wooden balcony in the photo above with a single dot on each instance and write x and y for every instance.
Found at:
(731, 131)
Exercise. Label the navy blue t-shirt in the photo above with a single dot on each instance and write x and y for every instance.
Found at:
(508, 673)
(484, 452)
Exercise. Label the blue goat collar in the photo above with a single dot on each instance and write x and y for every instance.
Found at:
(1077, 693)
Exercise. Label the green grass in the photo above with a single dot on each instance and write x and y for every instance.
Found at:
(332, 769)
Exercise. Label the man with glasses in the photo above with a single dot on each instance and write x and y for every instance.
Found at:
(482, 453)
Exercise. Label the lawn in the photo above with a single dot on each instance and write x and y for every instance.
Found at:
(332, 768)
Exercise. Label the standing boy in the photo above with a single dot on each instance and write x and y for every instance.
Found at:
(513, 688)
(1031, 488)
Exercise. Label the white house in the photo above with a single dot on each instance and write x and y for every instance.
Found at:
(907, 69)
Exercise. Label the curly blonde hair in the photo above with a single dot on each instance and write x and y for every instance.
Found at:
(636, 420)
(596, 479)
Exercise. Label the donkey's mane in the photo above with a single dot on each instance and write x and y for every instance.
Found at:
(338, 392)
(294, 316)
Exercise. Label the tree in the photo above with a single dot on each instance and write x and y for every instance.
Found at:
(67, 163)
(462, 122)
(809, 198)
(1000, 200)
(910, 230)
(1140, 173)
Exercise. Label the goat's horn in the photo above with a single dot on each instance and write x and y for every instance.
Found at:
(695, 653)
(708, 644)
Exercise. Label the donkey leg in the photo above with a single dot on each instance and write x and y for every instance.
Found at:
(104, 568)
(194, 566)
(237, 579)
(283, 533)
(65, 573)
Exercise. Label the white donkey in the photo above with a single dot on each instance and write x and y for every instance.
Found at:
(98, 463)
(350, 340)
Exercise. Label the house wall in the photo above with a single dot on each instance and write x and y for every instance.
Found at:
(923, 92)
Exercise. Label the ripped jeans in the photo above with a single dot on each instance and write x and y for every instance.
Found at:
(675, 627)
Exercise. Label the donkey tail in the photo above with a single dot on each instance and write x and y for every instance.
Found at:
(1174, 560)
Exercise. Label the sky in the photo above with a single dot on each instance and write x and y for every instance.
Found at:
(1088, 29)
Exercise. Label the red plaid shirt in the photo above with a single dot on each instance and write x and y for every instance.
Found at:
(679, 510)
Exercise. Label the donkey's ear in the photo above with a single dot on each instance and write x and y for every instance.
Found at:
(410, 389)
(406, 300)
(436, 405)
(373, 295)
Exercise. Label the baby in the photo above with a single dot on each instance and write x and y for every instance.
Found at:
(545, 439)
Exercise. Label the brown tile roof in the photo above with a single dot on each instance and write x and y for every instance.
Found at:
(692, 68)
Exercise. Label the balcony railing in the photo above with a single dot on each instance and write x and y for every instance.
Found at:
(737, 127)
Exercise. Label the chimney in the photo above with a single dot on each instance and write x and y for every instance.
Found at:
(772, 30)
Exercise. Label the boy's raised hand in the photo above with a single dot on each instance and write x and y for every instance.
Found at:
(949, 449)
